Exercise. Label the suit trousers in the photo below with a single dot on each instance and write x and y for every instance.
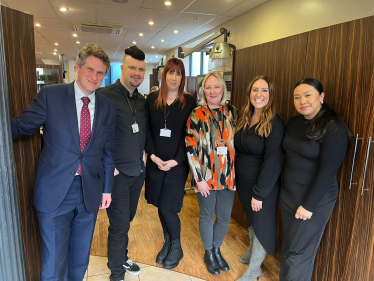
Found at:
(66, 237)
(122, 210)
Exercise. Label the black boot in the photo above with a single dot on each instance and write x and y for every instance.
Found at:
(175, 254)
(161, 256)
(211, 263)
(222, 264)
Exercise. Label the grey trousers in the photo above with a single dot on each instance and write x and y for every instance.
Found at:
(220, 202)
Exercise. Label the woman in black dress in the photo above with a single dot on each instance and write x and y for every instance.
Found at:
(258, 141)
(315, 144)
(167, 111)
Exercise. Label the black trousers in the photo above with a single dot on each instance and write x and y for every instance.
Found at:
(300, 242)
(122, 210)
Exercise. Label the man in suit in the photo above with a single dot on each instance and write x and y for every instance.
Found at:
(129, 160)
(76, 167)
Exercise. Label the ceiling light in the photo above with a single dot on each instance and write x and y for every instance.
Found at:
(75, 35)
(134, 42)
(64, 9)
(78, 42)
(167, 3)
(56, 44)
(153, 47)
(55, 53)
(146, 61)
(55, 50)
(162, 40)
(150, 59)
(38, 24)
(175, 31)
(141, 34)
(151, 23)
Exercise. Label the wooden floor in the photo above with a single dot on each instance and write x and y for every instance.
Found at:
(146, 240)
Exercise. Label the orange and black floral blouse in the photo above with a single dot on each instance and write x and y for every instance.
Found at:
(203, 138)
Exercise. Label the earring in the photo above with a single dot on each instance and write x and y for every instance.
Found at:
(321, 101)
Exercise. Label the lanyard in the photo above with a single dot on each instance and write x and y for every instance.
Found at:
(167, 114)
(217, 123)
(133, 113)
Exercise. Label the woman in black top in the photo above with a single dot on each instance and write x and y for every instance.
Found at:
(258, 141)
(315, 144)
(167, 111)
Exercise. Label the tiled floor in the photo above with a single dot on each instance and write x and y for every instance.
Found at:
(98, 271)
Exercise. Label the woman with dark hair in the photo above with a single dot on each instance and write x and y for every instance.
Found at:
(167, 112)
(258, 143)
(315, 144)
(211, 154)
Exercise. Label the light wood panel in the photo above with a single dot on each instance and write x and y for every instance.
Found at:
(19, 46)
(146, 239)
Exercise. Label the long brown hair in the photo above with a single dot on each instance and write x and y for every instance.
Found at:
(177, 65)
(264, 126)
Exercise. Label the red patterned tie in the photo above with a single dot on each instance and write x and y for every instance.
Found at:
(85, 130)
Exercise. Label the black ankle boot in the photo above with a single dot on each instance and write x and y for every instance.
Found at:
(175, 254)
(211, 263)
(161, 256)
(222, 264)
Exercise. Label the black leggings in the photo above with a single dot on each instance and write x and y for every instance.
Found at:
(170, 224)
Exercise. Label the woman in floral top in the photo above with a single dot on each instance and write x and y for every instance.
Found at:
(210, 153)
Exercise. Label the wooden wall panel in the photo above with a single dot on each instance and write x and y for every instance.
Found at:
(283, 61)
(342, 58)
(192, 86)
(18, 30)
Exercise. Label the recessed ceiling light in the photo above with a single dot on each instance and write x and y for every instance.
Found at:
(162, 40)
(175, 31)
(56, 44)
(141, 34)
(151, 23)
(78, 42)
(55, 50)
(64, 9)
(75, 35)
(167, 3)
(38, 24)
(153, 47)
(134, 42)
(55, 53)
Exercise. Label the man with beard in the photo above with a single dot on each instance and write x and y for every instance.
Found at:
(129, 160)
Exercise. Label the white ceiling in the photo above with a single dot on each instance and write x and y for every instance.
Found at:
(133, 16)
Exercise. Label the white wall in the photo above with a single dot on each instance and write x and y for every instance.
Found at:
(144, 87)
(277, 19)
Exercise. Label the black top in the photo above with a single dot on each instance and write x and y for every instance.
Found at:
(129, 146)
(311, 166)
(258, 164)
(165, 190)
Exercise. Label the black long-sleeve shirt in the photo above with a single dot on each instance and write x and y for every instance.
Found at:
(129, 146)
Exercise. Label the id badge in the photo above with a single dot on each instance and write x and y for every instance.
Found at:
(165, 133)
(221, 150)
(135, 128)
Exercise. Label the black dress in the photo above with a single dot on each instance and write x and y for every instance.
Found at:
(258, 165)
(165, 190)
(309, 180)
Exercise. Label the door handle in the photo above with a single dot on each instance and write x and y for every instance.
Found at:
(353, 162)
(366, 165)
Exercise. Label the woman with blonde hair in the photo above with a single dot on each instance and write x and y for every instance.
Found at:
(210, 153)
(258, 142)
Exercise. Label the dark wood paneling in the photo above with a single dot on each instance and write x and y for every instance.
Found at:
(192, 86)
(342, 57)
(18, 30)
(282, 60)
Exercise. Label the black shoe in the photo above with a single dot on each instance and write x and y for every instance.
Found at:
(211, 263)
(161, 256)
(175, 254)
(222, 264)
(132, 268)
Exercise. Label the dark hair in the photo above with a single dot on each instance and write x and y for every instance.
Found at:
(318, 125)
(177, 65)
(135, 53)
(97, 51)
